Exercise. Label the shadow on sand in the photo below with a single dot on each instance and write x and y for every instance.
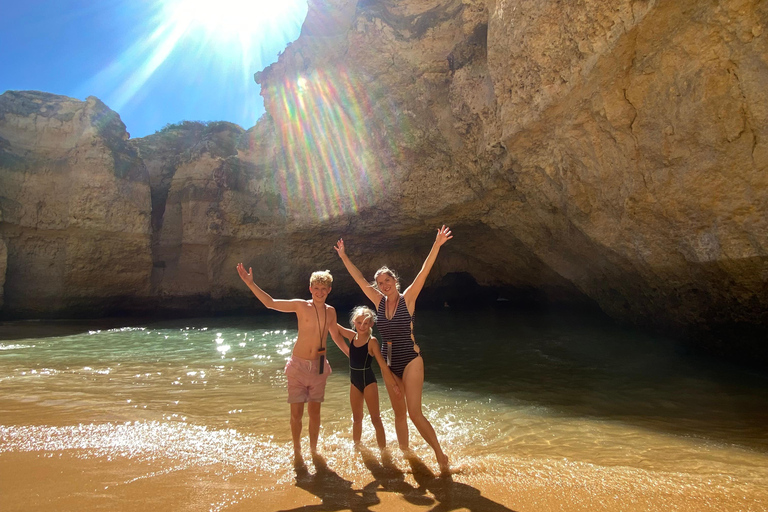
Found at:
(337, 493)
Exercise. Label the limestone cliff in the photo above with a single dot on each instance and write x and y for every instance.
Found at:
(212, 203)
(621, 147)
(74, 207)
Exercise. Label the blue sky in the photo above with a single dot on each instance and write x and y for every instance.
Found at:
(152, 61)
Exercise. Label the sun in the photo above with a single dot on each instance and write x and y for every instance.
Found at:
(231, 19)
(216, 46)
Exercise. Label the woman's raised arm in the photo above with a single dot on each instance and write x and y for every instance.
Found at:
(373, 294)
(412, 292)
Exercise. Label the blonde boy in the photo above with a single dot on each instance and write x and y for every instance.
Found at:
(307, 370)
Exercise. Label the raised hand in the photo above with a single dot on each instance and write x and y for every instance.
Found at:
(247, 277)
(340, 247)
(443, 235)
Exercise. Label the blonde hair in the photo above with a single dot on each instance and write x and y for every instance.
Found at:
(386, 270)
(321, 277)
(361, 311)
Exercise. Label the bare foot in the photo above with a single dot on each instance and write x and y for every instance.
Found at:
(319, 461)
(442, 461)
(386, 455)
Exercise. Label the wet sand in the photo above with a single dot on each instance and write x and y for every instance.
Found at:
(66, 480)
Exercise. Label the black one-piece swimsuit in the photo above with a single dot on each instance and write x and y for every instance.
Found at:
(360, 371)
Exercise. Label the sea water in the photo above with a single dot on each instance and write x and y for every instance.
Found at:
(610, 418)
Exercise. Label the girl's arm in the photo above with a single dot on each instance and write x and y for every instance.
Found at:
(412, 292)
(373, 294)
(285, 306)
(389, 377)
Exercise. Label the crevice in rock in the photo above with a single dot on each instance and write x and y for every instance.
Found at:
(408, 27)
(473, 48)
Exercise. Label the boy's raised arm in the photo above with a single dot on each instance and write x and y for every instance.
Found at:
(285, 306)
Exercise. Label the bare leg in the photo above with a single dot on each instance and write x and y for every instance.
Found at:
(313, 408)
(401, 414)
(413, 380)
(356, 401)
(297, 412)
(372, 401)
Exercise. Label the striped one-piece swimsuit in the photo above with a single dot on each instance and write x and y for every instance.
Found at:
(396, 333)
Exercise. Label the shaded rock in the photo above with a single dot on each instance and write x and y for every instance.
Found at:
(74, 203)
(216, 202)
(3, 267)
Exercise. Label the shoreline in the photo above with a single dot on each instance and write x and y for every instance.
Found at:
(130, 475)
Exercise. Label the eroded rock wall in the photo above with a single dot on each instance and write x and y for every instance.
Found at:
(74, 202)
(210, 195)
(3, 268)
(619, 147)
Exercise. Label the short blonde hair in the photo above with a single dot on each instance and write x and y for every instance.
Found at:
(321, 277)
(361, 311)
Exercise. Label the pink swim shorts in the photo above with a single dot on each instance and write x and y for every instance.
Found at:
(305, 382)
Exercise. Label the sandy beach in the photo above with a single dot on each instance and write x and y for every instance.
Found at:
(66, 480)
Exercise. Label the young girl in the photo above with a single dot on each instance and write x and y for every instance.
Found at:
(364, 348)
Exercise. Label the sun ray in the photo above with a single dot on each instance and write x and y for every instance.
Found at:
(334, 142)
(183, 40)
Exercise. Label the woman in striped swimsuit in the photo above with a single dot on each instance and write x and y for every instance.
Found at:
(394, 315)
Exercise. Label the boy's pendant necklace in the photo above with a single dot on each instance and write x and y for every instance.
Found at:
(322, 349)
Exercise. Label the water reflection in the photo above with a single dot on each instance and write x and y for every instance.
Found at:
(587, 367)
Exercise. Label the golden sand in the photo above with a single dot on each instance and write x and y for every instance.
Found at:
(65, 480)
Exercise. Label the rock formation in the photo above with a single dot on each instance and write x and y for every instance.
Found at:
(3, 267)
(613, 153)
(74, 207)
(619, 147)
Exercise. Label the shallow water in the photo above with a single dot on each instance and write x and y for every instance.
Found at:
(611, 419)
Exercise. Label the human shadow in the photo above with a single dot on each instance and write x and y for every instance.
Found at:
(451, 495)
(389, 478)
(335, 492)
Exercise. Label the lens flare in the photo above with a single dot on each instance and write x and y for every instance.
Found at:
(334, 141)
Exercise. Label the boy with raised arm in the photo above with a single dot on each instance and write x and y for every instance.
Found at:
(307, 370)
